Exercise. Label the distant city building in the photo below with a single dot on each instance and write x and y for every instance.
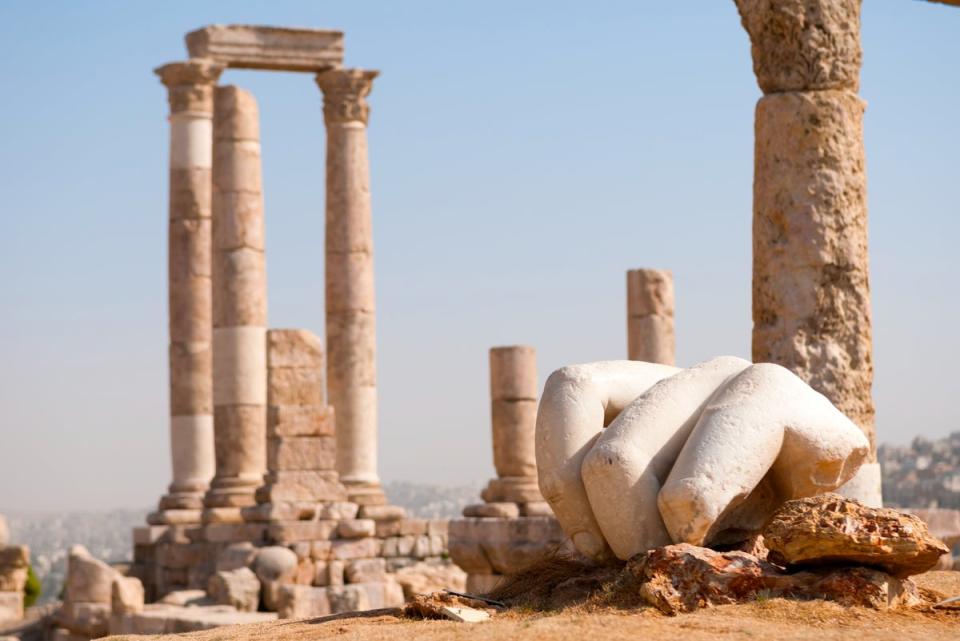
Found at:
(923, 474)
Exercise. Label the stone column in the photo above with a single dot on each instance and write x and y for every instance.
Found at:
(239, 307)
(350, 311)
(190, 89)
(513, 412)
(650, 335)
(811, 291)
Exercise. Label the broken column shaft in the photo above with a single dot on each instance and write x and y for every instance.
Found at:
(650, 334)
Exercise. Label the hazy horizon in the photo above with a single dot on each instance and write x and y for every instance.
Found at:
(523, 157)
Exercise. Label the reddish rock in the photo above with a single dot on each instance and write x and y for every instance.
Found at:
(683, 578)
(831, 530)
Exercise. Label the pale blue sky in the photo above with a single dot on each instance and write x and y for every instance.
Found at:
(524, 155)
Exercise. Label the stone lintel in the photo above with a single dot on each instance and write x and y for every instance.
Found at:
(274, 48)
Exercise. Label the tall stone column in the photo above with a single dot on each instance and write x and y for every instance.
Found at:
(811, 289)
(350, 310)
(239, 307)
(190, 89)
(650, 335)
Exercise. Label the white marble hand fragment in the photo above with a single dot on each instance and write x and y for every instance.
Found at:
(636, 455)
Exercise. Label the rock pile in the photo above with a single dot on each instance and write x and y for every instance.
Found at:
(823, 547)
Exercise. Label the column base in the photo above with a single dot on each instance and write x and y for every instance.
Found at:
(222, 515)
(365, 493)
(231, 492)
(181, 501)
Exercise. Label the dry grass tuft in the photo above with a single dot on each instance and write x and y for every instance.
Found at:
(561, 580)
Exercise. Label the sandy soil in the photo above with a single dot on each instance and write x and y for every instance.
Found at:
(770, 619)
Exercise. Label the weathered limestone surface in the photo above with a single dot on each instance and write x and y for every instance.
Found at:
(350, 306)
(239, 588)
(683, 578)
(190, 91)
(239, 306)
(830, 529)
(650, 311)
(811, 282)
(811, 297)
(260, 47)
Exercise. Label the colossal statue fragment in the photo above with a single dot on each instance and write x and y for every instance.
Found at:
(635, 455)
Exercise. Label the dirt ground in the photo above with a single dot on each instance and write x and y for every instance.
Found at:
(768, 619)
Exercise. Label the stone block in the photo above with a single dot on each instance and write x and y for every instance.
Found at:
(338, 511)
(148, 535)
(11, 606)
(293, 453)
(292, 531)
(126, 596)
(88, 579)
(284, 486)
(226, 514)
(91, 619)
(385, 529)
(438, 526)
(350, 598)
(414, 526)
(300, 420)
(336, 572)
(382, 512)
(423, 578)
(239, 588)
(235, 556)
(295, 386)
(356, 528)
(258, 47)
(366, 570)
(235, 532)
(356, 549)
(306, 571)
(294, 348)
(470, 555)
(302, 601)
(321, 574)
(320, 550)
(281, 511)
(180, 555)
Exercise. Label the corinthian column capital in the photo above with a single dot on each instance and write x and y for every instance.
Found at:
(344, 94)
(190, 84)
